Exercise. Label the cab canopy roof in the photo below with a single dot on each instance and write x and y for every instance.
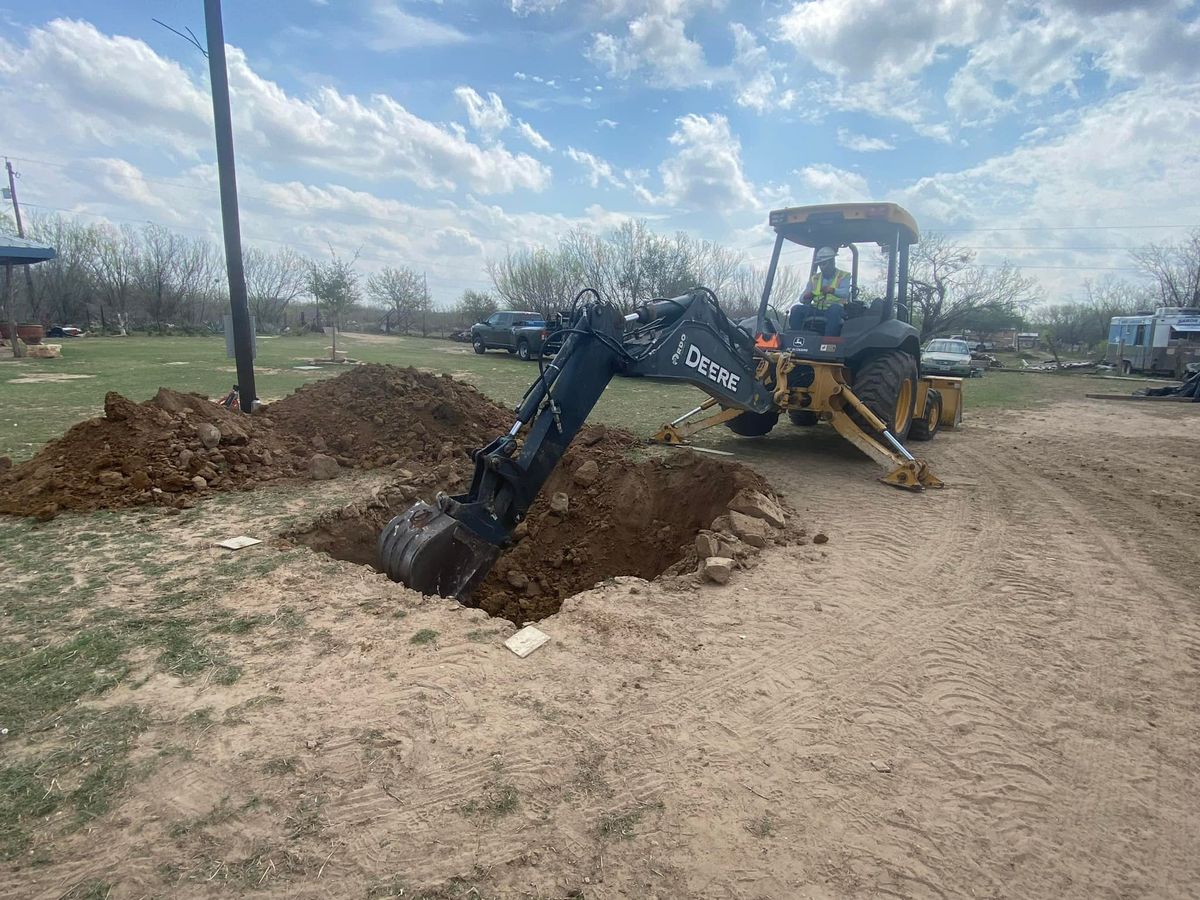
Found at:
(840, 224)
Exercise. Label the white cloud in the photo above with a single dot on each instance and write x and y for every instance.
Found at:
(117, 92)
(598, 170)
(656, 43)
(486, 115)
(531, 134)
(607, 123)
(391, 27)
(757, 86)
(705, 173)
(829, 184)
(531, 7)
(860, 143)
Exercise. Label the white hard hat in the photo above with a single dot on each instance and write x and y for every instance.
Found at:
(826, 253)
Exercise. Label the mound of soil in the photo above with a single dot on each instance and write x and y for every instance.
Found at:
(149, 453)
(176, 446)
(376, 415)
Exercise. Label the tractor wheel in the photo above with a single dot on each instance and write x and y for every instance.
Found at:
(479, 345)
(886, 383)
(803, 417)
(523, 351)
(926, 426)
(752, 424)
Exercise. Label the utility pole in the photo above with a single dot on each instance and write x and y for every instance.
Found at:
(8, 292)
(243, 348)
(425, 306)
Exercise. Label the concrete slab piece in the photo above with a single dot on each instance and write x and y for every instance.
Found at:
(526, 641)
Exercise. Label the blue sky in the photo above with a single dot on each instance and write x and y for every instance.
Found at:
(441, 134)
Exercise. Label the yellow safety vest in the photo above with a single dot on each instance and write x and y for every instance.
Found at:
(823, 297)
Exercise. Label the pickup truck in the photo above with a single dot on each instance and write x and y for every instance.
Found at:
(522, 333)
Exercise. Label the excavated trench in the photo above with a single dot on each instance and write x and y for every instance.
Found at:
(622, 518)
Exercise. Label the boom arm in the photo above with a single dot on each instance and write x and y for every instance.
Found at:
(449, 549)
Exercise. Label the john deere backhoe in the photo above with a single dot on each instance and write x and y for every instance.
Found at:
(865, 384)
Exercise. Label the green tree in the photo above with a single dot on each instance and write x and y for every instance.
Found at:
(334, 286)
(475, 306)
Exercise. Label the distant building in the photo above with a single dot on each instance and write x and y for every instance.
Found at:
(1028, 340)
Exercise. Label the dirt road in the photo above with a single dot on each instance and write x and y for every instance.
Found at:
(988, 691)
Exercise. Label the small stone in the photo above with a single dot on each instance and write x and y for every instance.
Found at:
(140, 480)
(318, 443)
(322, 468)
(880, 766)
(752, 531)
(820, 538)
(267, 458)
(593, 436)
(718, 569)
(109, 478)
(758, 505)
(185, 458)
(199, 483)
(586, 475)
(517, 579)
(707, 545)
(209, 434)
(560, 503)
(521, 531)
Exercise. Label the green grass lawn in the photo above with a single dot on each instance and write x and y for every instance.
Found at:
(33, 412)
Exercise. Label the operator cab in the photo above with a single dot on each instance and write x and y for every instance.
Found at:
(870, 322)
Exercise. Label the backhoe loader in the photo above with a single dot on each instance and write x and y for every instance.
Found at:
(865, 384)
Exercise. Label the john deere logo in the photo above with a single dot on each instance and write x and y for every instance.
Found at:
(798, 343)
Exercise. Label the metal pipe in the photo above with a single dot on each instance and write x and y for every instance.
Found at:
(703, 406)
(243, 347)
(897, 446)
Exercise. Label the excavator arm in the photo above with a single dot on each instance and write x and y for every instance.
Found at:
(449, 547)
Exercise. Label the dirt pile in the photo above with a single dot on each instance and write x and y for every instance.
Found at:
(599, 516)
(176, 446)
(376, 415)
(163, 451)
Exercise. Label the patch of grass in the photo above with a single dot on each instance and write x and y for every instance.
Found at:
(92, 889)
(34, 683)
(623, 825)
(93, 756)
(498, 800)
(762, 826)
(280, 765)
(424, 636)
(482, 635)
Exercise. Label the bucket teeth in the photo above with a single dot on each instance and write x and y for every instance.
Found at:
(429, 551)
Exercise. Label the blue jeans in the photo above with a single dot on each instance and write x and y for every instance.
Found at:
(834, 314)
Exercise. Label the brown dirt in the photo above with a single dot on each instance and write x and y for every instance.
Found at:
(989, 691)
(148, 453)
(636, 519)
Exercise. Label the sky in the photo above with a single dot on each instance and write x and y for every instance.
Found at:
(438, 134)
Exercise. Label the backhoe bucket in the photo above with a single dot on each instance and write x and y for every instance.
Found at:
(430, 551)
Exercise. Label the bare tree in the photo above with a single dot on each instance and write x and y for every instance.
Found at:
(1176, 269)
(475, 306)
(63, 287)
(273, 281)
(541, 280)
(334, 285)
(114, 268)
(156, 276)
(947, 288)
(402, 292)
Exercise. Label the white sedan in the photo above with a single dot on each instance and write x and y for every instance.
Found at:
(944, 356)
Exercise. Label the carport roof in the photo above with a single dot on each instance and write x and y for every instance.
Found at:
(15, 251)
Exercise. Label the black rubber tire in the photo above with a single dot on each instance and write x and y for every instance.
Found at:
(924, 427)
(803, 417)
(879, 383)
(752, 424)
(523, 351)
(479, 345)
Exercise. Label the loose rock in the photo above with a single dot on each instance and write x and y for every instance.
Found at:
(560, 503)
(109, 478)
(718, 569)
(586, 475)
(753, 531)
(757, 505)
(820, 538)
(322, 467)
(209, 434)
(200, 483)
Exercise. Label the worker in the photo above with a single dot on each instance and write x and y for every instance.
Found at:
(828, 291)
